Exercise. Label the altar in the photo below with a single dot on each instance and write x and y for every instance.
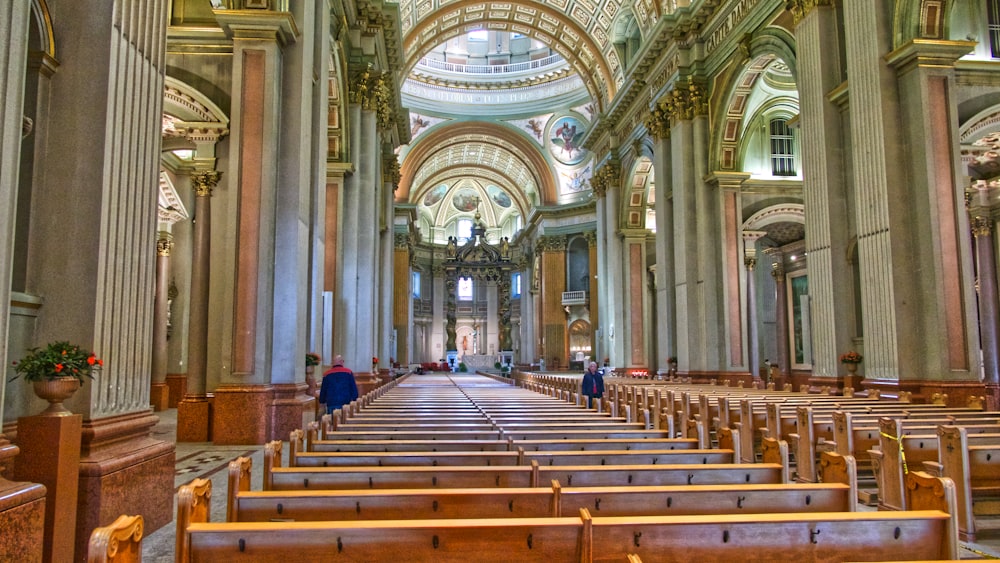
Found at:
(476, 362)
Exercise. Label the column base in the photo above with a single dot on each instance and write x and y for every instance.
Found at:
(291, 409)
(234, 419)
(50, 455)
(123, 470)
(194, 418)
(22, 513)
(159, 396)
(177, 383)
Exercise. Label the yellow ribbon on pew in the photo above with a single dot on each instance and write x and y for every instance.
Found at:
(977, 552)
(902, 455)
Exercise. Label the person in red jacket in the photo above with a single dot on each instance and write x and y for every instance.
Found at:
(338, 387)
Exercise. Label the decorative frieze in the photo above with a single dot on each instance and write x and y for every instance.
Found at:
(550, 243)
(204, 182)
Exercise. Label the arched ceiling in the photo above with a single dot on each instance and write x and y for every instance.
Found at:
(477, 149)
(579, 30)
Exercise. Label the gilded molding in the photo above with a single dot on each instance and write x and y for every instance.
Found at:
(982, 226)
(658, 123)
(390, 170)
(204, 182)
(550, 243)
(801, 8)
(778, 272)
(163, 245)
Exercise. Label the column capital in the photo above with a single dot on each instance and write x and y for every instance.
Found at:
(401, 241)
(255, 20)
(591, 238)
(390, 170)
(778, 272)
(164, 243)
(750, 261)
(606, 177)
(727, 180)
(204, 182)
(982, 226)
(658, 123)
(928, 53)
(551, 243)
(801, 8)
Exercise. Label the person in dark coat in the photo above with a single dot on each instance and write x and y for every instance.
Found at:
(338, 387)
(593, 384)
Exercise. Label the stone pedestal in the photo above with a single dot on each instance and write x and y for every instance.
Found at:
(22, 514)
(123, 470)
(50, 455)
(177, 385)
(159, 396)
(239, 414)
(194, 418)
(291, 409)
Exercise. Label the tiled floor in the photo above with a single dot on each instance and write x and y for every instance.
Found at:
(208, 461)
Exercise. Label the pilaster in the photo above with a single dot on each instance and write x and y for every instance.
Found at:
(552, 249)
(666, 319)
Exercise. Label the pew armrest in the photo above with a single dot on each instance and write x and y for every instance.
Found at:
(118, 542)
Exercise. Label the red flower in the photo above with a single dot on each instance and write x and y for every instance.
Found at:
(91, 359)
(59, 367)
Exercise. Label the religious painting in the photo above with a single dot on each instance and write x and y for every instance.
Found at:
(801, 336)
(565, 136)
(466, 200)
(498, 196)
(435, 195)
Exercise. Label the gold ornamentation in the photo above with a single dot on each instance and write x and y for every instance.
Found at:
(382, 102)
(982, 226)
(401, 240)
(801, 8)
(390, 170)
(658, 123)
(750, 262)
(605, 177)
(204, 182)
(163, 246)
(550, 243)
(778, 271)
(359, 90)
(591, 238)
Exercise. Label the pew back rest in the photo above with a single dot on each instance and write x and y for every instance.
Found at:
(118, 542)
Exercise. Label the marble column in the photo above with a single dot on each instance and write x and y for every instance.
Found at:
(159, 395)
(689, 320)
(528, 325)
(781, 318)
(23, 515)
(402, 299)
(907, 204)
(750, 239)
(601, 328)
(666, 322)
(826, 189)
(728, 187)
(615, 265)
(104, 165)
(634, 306)
(593, 293)
(193, 410)
(989, 316)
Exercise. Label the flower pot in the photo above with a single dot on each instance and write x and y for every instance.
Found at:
(852, 368)
(55, 391)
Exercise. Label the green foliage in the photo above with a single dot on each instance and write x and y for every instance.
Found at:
(462, 367)
(312, 359)
(55, 360)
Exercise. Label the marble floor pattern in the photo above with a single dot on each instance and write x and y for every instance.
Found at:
(209, 461)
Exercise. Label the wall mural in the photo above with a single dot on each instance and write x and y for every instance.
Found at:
(565, 136)
(435, 195)
(466, 200)
(498, 196)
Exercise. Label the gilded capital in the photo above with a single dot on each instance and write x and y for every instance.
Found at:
(401, 241)
(591, 237)
(801, 8)
(982, 226)
(362, 89)
(750, 262)
(164, 244)
(605, 177)
(778, 272)
(204, 182)
(390, 170)
(658, 123)
(382, 104)
(551, 243)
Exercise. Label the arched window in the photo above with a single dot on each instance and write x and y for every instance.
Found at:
(993, 26)
(782, 149)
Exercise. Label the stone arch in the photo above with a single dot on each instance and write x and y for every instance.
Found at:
(924, 19)
(635, 193)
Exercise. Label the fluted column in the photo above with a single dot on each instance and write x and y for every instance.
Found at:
(158, 392)
(633, 305)
(193, 411)
(691, 353)
(825, 190)
(665, 325)
(593, 293)
(750, 239)
(601, 338)
(402, 302)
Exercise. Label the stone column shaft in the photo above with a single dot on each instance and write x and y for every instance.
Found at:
(666, 322)
(615, 265)
(989, 315)
(158, 393)
(781, 319)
